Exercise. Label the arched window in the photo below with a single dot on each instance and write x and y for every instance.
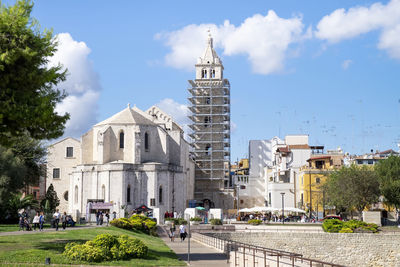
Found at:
(103, 192)
(317, 180)
(146, 141)
(121, 139)
(76, 194)
(208, 100)
(160, 195)
(204, 74)
(128, 194)
(213, 74)
(66, 195)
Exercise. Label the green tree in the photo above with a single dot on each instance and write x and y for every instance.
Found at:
(12, 171)
(51, 201)
(20, 166)
(28, 93)
(353, 187)
(388, 171)
(17, 202)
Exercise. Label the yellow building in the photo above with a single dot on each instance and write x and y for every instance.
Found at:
(241, 168)
(312, 177)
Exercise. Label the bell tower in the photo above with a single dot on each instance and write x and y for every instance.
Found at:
(210, 107)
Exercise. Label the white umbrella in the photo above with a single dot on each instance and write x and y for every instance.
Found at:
(245, 210)
(263, 209)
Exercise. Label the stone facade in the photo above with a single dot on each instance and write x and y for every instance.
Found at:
(345, 249)
(59, 162)
(133, 158)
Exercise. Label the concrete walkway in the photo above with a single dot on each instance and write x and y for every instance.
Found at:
(200, 255)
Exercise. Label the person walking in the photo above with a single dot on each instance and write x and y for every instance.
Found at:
(41, 221)
(172, 230)
(107, 217)
(56, 217)
(97, 217)
(101, 218)
(64, 220)
(21, 223)
(182, 232)
(36, 221)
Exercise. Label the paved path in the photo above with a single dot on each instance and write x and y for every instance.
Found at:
(200, 255)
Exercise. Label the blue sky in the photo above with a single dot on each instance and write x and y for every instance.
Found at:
(295, 67)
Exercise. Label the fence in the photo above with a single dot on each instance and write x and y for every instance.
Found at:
(245, 255)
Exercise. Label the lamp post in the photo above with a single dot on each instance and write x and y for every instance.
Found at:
(283, 207)
(237, 192)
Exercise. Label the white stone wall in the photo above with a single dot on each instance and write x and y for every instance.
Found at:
(57, 158)
(354, 249)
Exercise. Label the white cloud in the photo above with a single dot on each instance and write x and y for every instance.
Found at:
(82, 85)
(265, 41)
(346, 64)
(178, 112)
(390, 41)
(341, 25)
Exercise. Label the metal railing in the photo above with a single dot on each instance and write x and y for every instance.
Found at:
(242, 254)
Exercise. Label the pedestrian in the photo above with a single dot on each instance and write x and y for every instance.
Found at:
(21, 223)
(182, 232)
(97, 217)
(107, 217)
(36, 221)
(56, 217)
(41, 221)
(172, 230)
(27, 225)
(64, 220)
(101, 218)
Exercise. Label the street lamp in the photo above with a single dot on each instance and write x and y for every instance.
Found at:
(283, 207)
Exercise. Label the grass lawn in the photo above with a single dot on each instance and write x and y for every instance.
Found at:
(15, 227)
(35, 248)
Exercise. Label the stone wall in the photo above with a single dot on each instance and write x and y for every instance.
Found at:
(347, 249)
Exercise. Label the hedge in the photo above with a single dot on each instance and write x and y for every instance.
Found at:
(106, 247)
(177, 221)
(352, 226)
(216, 222)
(136, 222)
(254, 222)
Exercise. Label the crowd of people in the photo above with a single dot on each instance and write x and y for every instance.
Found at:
(268, 217)
(25, 224)
(100, 217)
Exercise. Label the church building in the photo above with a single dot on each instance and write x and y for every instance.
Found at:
(131, 159)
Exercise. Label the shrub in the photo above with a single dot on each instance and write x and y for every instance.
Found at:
(254, 222)
(337, 226)
(136, 222)
(332, 225)
(345, 230)
(106, 247)
(216, 222)
(195, 219)
(177, 221)
(122, 223)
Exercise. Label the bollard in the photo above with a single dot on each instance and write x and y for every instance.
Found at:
(47, 262)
